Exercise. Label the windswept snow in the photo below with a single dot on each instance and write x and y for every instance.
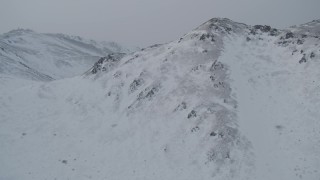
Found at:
(226, 101)
(279, 106)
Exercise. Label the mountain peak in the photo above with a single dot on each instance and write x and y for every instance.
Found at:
(222, 24)
(215, 27)
(220, 20)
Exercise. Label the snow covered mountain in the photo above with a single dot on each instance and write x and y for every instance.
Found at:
(226, 101)
(27, 54)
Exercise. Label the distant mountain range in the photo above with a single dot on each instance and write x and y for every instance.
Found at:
(31, 55)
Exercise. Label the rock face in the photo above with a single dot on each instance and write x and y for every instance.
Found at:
(106, 64)
(30, 55)
(226, 101)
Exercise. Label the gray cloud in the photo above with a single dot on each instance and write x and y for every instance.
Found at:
(146, 22)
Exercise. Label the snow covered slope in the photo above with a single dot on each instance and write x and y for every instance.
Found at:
(226, 101)
(30, 55)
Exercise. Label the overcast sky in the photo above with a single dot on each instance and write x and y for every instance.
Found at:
(146, 22)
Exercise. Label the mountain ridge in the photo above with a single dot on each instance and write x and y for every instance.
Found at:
(221, 102)
(38, 56)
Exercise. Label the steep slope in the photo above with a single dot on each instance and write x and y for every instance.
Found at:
(30, 55)
(277, 90)
(225, 101)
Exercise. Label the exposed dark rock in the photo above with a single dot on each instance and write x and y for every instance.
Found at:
(220, 135)
(196, 68)
(192, 114)
(299, 41)
(212, 78)
(149, 92)
(213, 133)
(262, 28)
(274, 32)
(227, 155)
(294, 51)
(207, 36)
(228, 29)
(211, 155)
(195, 129)
(303, 59)
(105, 63)
(253, 31)
(312, 55)
(155, 45)
(279, 127)
(117, 74)
(283, 42)
(289, 35)
(216, 66)
(64, 161)
(181, 106)
(135, 84)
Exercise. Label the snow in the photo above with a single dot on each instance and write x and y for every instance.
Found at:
(212, 105)
(36, 56)
(275, 112)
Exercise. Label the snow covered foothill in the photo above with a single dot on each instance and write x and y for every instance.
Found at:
(37, 56)
(227, 101)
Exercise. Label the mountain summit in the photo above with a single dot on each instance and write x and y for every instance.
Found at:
(226, 101)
